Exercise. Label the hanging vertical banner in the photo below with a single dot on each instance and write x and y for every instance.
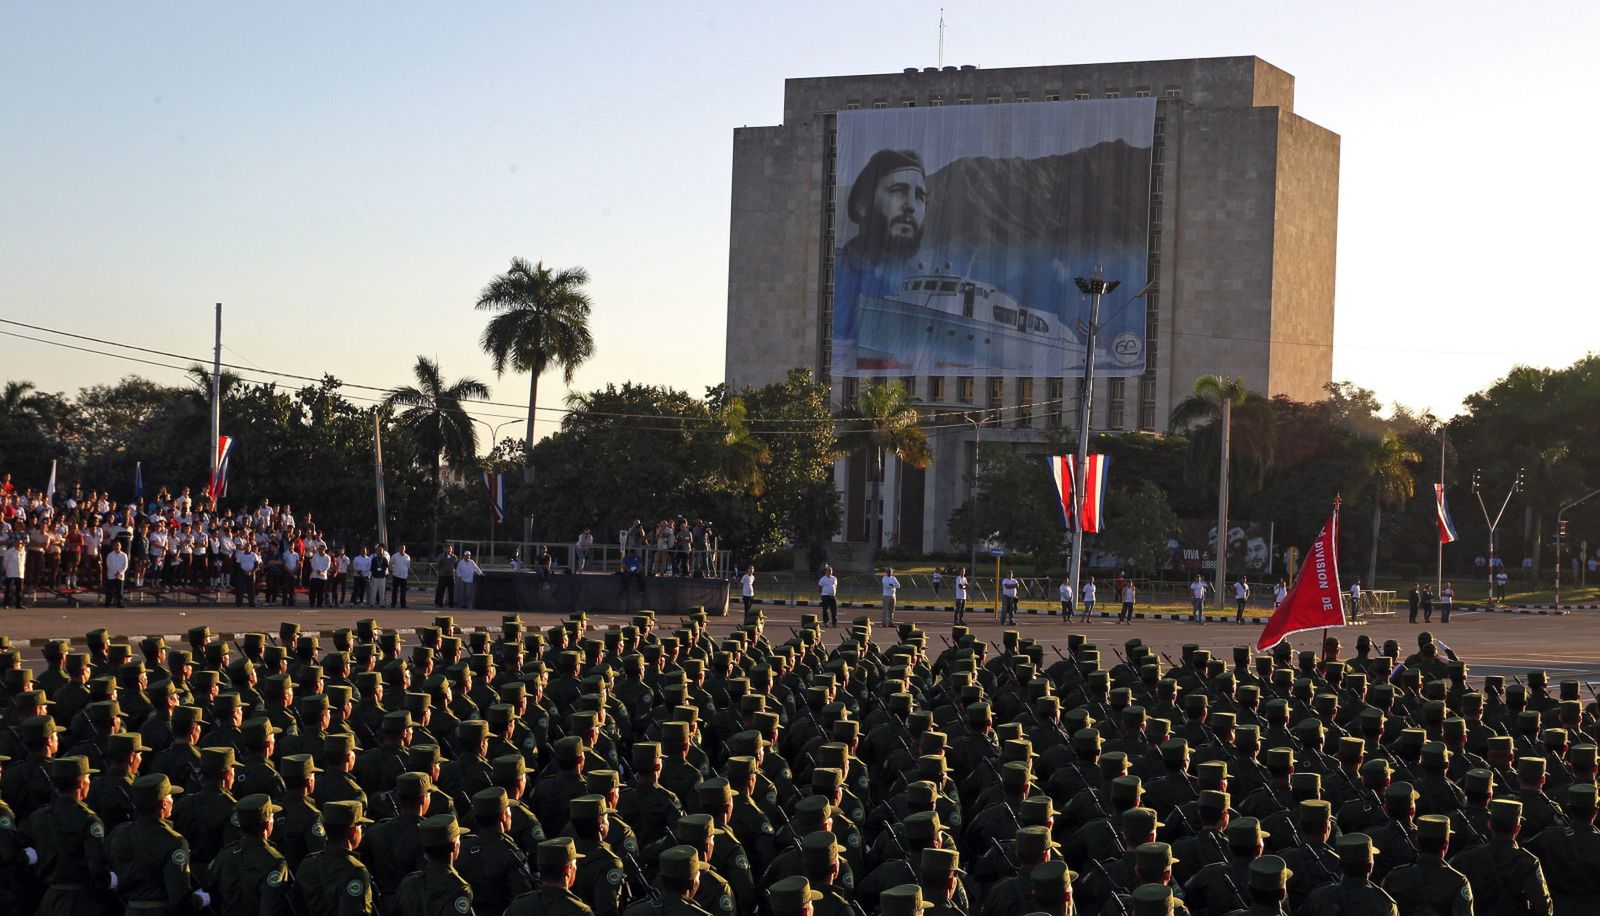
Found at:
(377, 473)
(138, 481)
(50, 488)
(495, 486)
(218, 487)
(1315, 599)
(1447, 526)
(1094, 485)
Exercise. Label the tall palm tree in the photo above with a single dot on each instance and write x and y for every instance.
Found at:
(741, 453)
(1208, 414)
(543, 322)
(883, 421)
(20, 399)
(440, 425)
(1386, 473)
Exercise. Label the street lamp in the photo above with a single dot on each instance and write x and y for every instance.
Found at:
(494, 438)
(977, 419)
(1477, 490)
(1561, 531)
(1094, 287)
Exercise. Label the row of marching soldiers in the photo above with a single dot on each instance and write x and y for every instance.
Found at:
(651, 772)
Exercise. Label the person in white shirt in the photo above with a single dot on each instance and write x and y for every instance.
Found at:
(747, 591)
(291, 574)
(938, 579)
(1279, 592)
(245, 561)
(1197, 592)
(891, 585)
(360, 577)
(1088, 599)
(828, 588)
(1447, 602)
(961, 596)
(341, 577)
(1241, 595)
(380, 572)
(1066, 599)
(1008, 598)
(1355, 599)
(399, 571)
(317, 579)
(16, 569)
(116, 570)
(467, 571)
(581, 555)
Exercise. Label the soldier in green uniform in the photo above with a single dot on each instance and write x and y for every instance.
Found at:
(334, 882)
(678, 881)
(250, 877)
(70, 843)
(1505, 877)
(1219, 887)
(1568, 854)
(645, 804)
(392, 849)
(602, 878)
(939, 874)
(714, 894)
(792, 896)
(26, 783)
(490, 861)
(1051, 885)
(1430, 885)
(203, 815)
(1268, 888)
(437, 889)
(150, 858)
(558, 868)
(1355, 894)
(337, 782)
(109, 794)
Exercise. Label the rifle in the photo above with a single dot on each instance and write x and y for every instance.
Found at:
(1117, 890)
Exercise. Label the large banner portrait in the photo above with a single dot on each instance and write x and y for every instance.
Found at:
(960, 230)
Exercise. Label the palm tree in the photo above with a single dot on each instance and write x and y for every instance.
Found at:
(1209, 410)
(20, 399)
(1386, 470)
(885, 421)
(440, 425)
(741, 453)
(543, 322)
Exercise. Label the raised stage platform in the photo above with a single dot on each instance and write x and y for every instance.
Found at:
(601, 593)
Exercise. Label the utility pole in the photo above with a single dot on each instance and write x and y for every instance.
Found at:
(977, 420)
(1438, 581)
(216, 407)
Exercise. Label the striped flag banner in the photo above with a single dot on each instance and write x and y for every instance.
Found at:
(1094, 485)
(218, 487)
(1447, 527)
(495, 486)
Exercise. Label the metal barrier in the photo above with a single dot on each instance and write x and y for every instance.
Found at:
(1375, 602)
(567, 557)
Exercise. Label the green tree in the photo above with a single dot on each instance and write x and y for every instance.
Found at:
(883, 421)
(439, 425)
(1016, 499)
(1140, 524)
(1385, 476)
(1208, 414)
(542, 322)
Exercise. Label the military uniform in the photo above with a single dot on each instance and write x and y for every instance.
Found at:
(680, 864)
(204, 816)
(1505, 877)
(437, 889)
(602, 880)
(250, 877)
(70, 841)
(334, 882)
(490, 861)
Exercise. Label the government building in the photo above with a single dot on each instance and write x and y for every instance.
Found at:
(926, 229)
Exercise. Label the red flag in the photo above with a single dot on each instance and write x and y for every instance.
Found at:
(1062, 471)
(1314, 601)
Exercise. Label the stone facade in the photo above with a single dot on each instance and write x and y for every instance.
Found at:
(1244, 224)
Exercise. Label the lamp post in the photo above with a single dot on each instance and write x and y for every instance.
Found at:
(977, 419)
(1094, 287)
(494, 438)
(1561, 530)
(1477, 490)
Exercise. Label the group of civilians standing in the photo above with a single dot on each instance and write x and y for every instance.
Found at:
(75, 540)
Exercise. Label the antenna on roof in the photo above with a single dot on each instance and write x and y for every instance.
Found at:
(941, 36)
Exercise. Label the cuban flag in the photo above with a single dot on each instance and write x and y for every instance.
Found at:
(1092, 506)
(1447, 528)
(495, 486)
(218, 487)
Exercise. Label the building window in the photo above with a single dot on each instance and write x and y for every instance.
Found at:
(1173, 92)
(1143, 92)
(852, 105)
(908, 103)
(1023, 98)
(881, 103)
(908, 384)
(936, 101)
(1057, 408)
(997, 391)
(1113, 94)
(964, 100)
(1147, 401)
(849, 390)
(1080, 96)
(1116, 392)
(993, 100)
(1025, 403)
(1052, 96)
(964, 389)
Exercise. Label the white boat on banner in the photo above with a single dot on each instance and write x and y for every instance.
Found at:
(943, 322)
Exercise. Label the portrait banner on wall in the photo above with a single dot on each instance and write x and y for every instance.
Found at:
(959, 231)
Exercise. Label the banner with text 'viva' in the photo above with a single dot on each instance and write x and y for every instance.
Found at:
(1314, 601)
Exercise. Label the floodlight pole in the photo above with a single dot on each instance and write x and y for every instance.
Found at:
(1561, 529)
(1477, 490)
(1094, 287)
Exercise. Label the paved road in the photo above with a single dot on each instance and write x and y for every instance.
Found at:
(1492, 643)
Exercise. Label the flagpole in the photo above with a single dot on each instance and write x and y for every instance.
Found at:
(1438, 577)
(216, 405)
(377, 453)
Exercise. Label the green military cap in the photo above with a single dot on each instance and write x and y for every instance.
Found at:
(1032, 842)
(1478, 780)
(507, 767)
(1308, 782)
(31, 699)
(472, 731)
(1152, 900)
(152, 787)
(1377, 768)
(791, 895)
(820, 849)
(440, 830)
(1125, 787)
(902, 900)
(1174, 749)
(1015, 775)
(162, 689)
(602, 781)
(75, 767)
(939, 861)
(254, 810)
(1138, 822)
(187, 717)
(1212, 774)
(1246, 831)
(1315, 811)
(256, 731)
(396, 722)
(214, 761)
(1223, 721)
(1113, 762)
(1356, 849)
(569, 749)
(813, 809)
(1501, 744)
(1036, 810)
(741, 768)
(1435, 752)
(340, 743)
(695, 828)
(556, 854)
(314, 703)
(1051, 881)
(1351, 749)
(1400, 793)
(1555, 737)
(423, 756)
(1530, 769)
(1505, 813)
(124, 743)
(1583, 756)
(102, 712)
(922, 825)
(344, 814)
(1281, 758)
(488, 804)
(681, 863)
(922, 793)
(587, 808)
(1433, 827)
(716, 792)
(1454, 727)
(498, 716)
(931, 766)
(1582, 796)
(827, 778)
(1269, 873)
(227, 702)
(412, 788)
(674, 732)
(337, 694)
(646, 754)
(979, 714)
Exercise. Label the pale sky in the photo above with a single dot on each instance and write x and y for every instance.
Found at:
(345, 177)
